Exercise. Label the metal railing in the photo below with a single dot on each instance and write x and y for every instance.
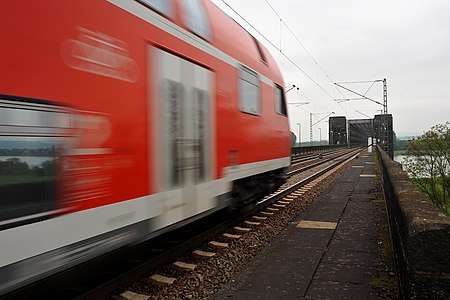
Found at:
(295, 151)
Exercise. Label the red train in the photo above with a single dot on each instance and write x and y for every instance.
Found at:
(121, 119)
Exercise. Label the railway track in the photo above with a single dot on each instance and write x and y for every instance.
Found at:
(127, 266)
(299, 161)
(316, 160)
(258, 214)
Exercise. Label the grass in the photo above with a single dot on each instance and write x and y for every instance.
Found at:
(385, 284)
(378, 201)
(400, 152)
(12, 179)
(425, 184)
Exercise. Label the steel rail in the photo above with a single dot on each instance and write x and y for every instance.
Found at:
(129, 277)
(135, 267)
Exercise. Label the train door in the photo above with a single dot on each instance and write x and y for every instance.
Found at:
(183, 135)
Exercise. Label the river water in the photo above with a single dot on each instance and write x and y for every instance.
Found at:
(30, 160)
(399, 158)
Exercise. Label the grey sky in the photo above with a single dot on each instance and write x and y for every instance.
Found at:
(405, 41)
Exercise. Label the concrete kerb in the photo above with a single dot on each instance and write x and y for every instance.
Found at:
(423, 235)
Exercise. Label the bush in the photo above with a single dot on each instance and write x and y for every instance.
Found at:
(429, 164)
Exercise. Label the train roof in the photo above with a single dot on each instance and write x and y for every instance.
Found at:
(233, 39)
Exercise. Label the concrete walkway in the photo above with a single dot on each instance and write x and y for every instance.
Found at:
(329, 252)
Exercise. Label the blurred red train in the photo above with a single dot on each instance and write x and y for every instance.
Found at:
(121, 119)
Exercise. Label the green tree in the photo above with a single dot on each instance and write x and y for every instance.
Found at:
(14, 166)
(429, 164)
(293, 139)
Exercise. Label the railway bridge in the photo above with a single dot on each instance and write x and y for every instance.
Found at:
(326, 236)
(333, 248)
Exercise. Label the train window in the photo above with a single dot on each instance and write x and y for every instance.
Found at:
(196, 19)
(31, 137)
(249, 92)
(162, 6)
(172, 132)
(260, 50)
(280, 103)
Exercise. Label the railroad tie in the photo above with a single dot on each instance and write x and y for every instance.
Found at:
(181, 266)
(161, 280)
(250, 223)
(259, 218)
(203, 254)
(265, 213)
(129, 295)
(217, 245)
(279, 205)
(272, 209)
(284, 202)
(241, 229)
(287, 200)
(231, 236)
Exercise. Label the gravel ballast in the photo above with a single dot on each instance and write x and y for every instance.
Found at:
(211, 274)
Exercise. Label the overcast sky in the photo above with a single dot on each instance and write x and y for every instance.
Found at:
(405, 41)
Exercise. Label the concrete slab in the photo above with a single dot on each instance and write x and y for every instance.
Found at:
(316, 224)
(354, 233)
(278, 275)
(343, 272)
(345, 187)
(349, 257)
(339, 290)
(246, 295)
(306, 239)
(346, 245)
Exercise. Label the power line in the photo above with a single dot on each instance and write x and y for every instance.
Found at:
(293, 62)
(362, 81)
(278, 49)
(306, 50)
(301, 44)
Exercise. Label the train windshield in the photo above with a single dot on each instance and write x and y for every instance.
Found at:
(31, 139)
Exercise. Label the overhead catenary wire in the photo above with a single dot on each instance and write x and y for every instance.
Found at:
(322, 69)
(361, 81)
(346, 113)
(309, 54)
(278, 49)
